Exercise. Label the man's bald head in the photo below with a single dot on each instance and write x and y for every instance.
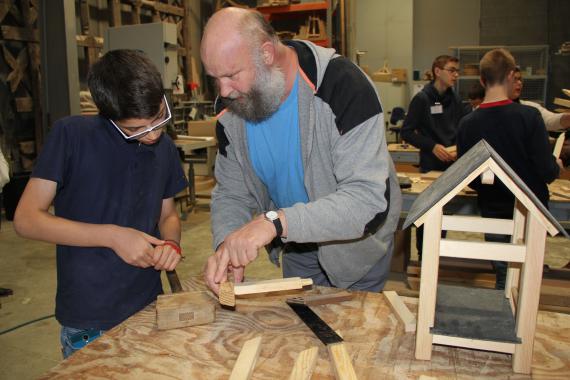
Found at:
(236, 26)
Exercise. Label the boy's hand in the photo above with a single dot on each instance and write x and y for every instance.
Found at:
(166, 257)
(442, 154)
(135, 247)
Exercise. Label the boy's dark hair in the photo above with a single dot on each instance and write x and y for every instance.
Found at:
(495, 66)
(125, 84)
(476, 91)
(441, 61)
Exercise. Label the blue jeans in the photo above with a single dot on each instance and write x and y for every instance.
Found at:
(73, 339)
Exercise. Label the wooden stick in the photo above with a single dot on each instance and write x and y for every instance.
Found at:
(229, 290)
(321, 299)
(245, 363)
(342, 364)
(305, 364)
(401, 311)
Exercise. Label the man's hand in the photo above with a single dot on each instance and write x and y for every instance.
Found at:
(442, 154)
(167, 258)
(238, 250)
(135, 247)
(211, 268)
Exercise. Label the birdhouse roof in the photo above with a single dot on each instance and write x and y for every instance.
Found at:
(468, 167)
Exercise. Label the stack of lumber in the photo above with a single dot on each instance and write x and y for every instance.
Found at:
(564, 102)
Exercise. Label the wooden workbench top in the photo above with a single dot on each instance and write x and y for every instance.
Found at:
(375, 340)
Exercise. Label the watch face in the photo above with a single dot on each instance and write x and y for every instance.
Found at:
(272, 215)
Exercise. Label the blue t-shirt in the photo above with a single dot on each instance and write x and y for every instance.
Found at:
(103, 179)
(275, 152)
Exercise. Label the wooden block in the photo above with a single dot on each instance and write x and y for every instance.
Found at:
(227, 296)
(401, 311)
(566, 92)
(487, 177)
(321, 299)
(558, 145)
(342, 364)
(245, 363)
(184, 309)
(305, 364)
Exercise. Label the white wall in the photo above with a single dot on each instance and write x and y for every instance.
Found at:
(439, 24)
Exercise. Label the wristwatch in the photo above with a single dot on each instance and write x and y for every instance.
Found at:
(273, 217)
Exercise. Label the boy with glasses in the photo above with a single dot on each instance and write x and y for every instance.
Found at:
(112, 179)
(432, 121)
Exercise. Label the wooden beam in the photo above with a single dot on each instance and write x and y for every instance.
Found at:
(479, 250)
(245, 363)
(519, 220)
(477, 344)
(165, 8)
(305, 364)
(115, 11)
(529, 297)
(401, 310)
(20, 34)
(477, 224)
(428, 283)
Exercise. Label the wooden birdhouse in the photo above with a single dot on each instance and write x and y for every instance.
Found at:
(484, 319)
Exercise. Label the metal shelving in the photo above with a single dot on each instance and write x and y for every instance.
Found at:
(532, 60)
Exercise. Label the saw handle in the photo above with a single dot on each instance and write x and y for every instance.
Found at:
(174, 281)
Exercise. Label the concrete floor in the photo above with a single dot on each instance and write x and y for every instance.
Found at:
(28, 267)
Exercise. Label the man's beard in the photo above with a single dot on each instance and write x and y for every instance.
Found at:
(264, 97)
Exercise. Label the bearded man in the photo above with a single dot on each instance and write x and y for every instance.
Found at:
(302, 167)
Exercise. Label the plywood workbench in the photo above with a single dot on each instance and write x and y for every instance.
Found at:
(375, 339)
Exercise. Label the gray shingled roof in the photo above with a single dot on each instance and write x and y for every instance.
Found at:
(457, 172)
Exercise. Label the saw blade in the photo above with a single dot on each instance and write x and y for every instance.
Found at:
(316, 324)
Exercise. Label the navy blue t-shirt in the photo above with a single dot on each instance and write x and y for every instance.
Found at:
(104, 179)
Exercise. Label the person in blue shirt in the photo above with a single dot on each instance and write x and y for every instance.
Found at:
(112, 179)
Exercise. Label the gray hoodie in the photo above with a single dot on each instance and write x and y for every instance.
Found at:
(349, 174)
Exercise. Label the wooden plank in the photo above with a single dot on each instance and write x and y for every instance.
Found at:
(271, 285)
(401, 311)
(305, 364)
(245, 363)
(477, 224)
(342, 364)
(477, 344)
(428, 284)
(529, 294)
(519, 220)
(558, 145)
(15, 33)
(562, 102)
(482, 250)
